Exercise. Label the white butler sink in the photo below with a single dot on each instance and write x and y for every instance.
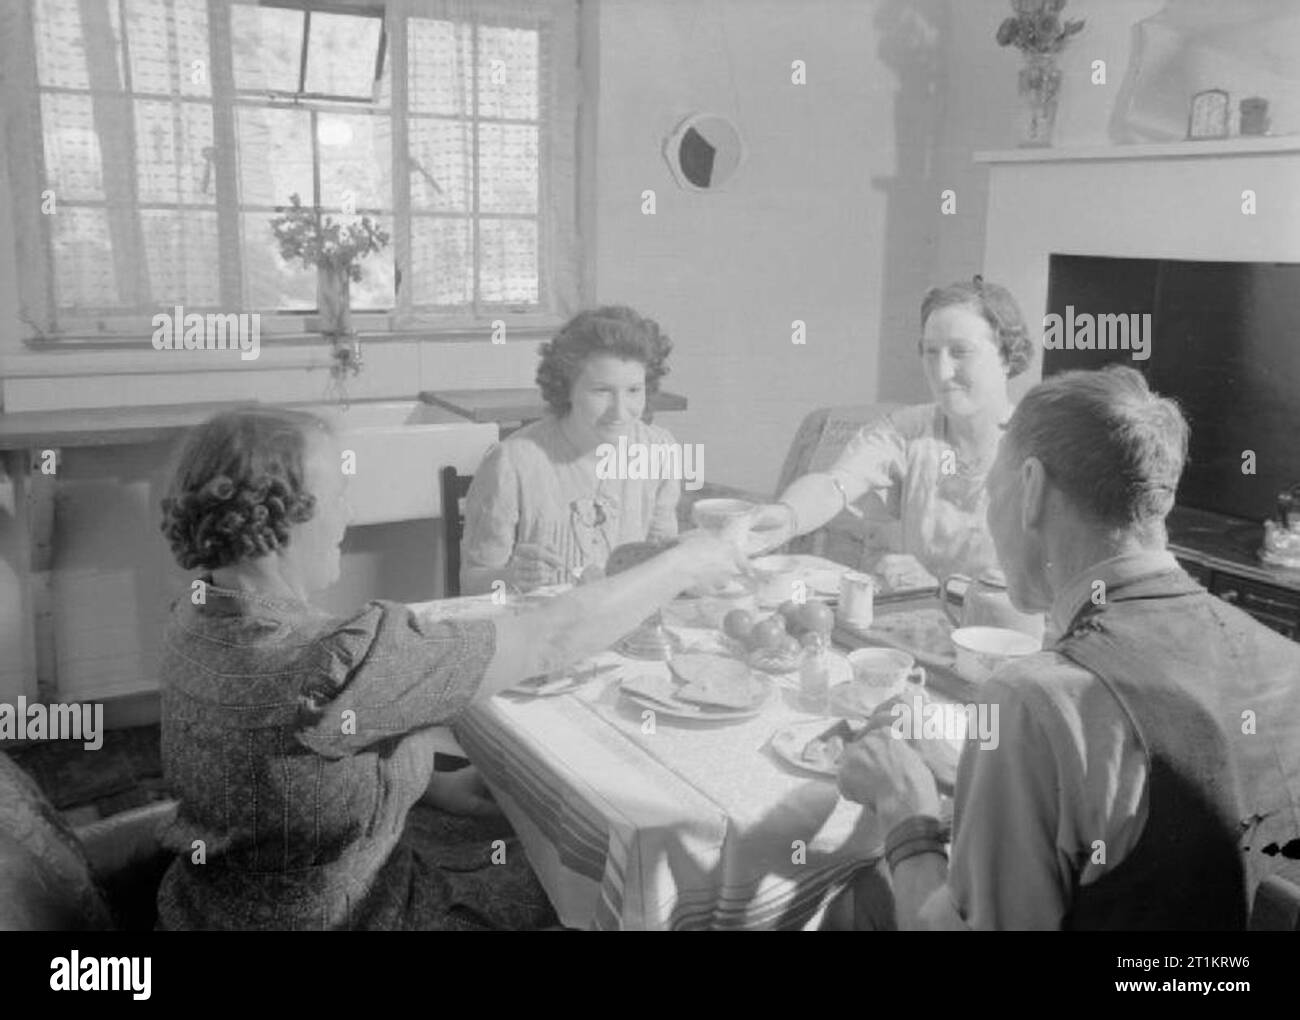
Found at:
(399, 447)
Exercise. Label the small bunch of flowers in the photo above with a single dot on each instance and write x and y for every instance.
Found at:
(1036, 27)
(322, 242)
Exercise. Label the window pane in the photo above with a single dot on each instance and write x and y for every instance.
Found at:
(507, 72)
(440, 67)
(267, 47)
(174, 152)
(508, 168)
(61, 35)
(341, 53)
(168, 42)
(180, 249)
(356, 159)
(270, 283)
(440, 164)
(73, 162)
(508, 261)
(83, 259)
(442, 261)
(274, 156)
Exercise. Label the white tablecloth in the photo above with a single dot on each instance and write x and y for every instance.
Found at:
(674, 825)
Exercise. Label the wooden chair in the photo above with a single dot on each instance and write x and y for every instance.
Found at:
(455, 487)
(1276, 906)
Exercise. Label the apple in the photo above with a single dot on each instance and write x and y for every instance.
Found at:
(738, 624)
(768, 634)
(817, 617)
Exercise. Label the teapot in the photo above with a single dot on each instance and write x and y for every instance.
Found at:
(986, 603)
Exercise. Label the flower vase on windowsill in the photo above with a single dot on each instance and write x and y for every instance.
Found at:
(335, 252)
(334, 320)
(334, 300)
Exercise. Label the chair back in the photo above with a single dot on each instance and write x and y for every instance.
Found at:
(820, 439)
(455, 487)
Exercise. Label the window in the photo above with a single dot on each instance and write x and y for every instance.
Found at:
(164, 135)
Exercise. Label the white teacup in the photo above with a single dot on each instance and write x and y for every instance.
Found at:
(726, 518)
(881, 673)
(982, 650)
(776, 577)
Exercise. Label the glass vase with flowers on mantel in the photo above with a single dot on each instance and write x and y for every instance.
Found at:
(1037, 31)
(335, 251)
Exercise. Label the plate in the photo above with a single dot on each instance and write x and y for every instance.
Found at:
(702, 713)
(820, 575)
(840, 669)
(941, 756)
(851, 698)
(789, 741)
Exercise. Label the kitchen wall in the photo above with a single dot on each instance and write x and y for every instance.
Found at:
(833, 219)
(800, 233)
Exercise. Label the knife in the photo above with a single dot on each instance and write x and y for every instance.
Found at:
(546, 679)
(845, 729)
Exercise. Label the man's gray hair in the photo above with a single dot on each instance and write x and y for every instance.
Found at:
(1107, 441)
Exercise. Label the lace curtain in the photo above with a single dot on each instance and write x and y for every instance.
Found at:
(168, 135)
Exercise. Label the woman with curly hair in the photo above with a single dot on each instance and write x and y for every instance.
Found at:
(538, 511)
(928, 462)
(299, 744)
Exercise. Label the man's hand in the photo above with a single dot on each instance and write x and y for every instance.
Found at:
(882, 772)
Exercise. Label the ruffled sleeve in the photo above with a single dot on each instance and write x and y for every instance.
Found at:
(874, 460)
(385, 672)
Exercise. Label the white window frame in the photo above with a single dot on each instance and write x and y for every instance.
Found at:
(560, 265)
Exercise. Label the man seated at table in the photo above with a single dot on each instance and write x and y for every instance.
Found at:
(1147, 770)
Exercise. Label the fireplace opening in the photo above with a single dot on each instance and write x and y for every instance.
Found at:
(1221, 338)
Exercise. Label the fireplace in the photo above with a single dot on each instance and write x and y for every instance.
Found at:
(1220, 202)
(1221, 338)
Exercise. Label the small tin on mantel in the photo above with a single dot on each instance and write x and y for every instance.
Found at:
(857, 600)
(1254, 116)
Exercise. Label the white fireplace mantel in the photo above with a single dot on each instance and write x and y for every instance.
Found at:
(1185, 200)
(1210, 148)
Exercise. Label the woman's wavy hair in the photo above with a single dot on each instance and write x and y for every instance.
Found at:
(238, 487)
(613, 329)
(995, 305)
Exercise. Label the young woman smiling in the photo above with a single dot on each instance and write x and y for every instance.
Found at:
(538, 513)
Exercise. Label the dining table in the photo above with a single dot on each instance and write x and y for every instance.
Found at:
(637, 819)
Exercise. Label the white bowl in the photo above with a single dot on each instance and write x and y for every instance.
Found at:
(982, 650)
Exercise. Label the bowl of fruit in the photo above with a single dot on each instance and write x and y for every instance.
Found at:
(777, 643)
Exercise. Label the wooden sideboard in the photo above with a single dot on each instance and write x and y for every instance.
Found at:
(1222, 553)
